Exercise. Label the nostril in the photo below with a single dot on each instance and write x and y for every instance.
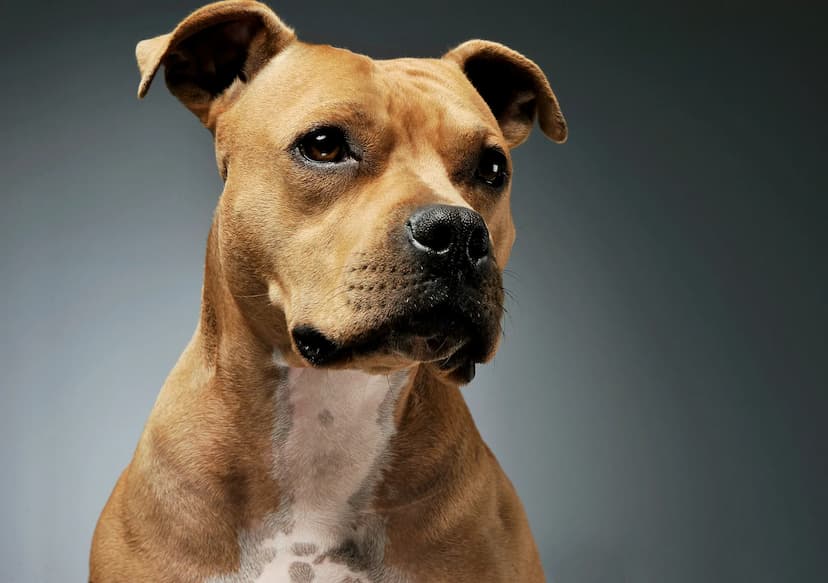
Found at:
(478, 246)
(439, 237)
(432, 233)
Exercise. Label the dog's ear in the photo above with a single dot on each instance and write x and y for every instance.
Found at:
(514, 87)
(210, 49)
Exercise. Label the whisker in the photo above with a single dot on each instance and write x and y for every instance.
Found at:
(243, 296)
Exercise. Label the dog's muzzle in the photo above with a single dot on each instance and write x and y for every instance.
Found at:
(439, 302)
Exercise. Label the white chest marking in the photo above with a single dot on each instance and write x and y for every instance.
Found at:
(329, 442)
(337, 433)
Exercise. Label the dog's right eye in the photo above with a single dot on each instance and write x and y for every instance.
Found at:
(324, 145)
(491, 168)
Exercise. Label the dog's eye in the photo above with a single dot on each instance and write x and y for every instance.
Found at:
(492, 168)
(324, 145)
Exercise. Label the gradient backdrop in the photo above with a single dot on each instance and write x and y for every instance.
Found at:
(660, 399)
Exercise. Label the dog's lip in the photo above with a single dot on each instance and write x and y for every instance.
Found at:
(432, 348)
(443, 334)
(419, 346)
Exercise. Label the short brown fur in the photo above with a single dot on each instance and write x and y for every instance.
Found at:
(288, 244)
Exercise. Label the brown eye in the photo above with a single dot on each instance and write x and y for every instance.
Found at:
(324, 145)
(492, 168)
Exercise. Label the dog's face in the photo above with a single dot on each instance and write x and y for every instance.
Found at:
(373, 199)
(365, 218)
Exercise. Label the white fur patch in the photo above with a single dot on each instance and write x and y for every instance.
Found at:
(330, 437)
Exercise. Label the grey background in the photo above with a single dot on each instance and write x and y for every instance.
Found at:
(660, 398)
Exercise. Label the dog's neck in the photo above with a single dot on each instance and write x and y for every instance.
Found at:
(283, 465)
(280, 455)
(315, 413)
(331, 442)
(315, 435)
(331, 434)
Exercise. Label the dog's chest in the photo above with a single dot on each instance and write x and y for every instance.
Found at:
(330, 443)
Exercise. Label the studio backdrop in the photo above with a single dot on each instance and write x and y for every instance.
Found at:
(659, 398)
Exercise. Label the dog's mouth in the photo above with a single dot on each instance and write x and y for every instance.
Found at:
(443, 336)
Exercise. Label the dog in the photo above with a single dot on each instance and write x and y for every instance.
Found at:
(313, 429)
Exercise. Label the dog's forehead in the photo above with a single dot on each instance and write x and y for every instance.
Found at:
(309, 81)
(435, 80)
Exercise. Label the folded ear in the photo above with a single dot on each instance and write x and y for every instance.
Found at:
(211, 48)
(514, 87)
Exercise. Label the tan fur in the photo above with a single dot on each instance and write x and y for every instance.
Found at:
(288, 244)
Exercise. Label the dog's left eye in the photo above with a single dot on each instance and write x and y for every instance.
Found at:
(324, 145)
(492, 168)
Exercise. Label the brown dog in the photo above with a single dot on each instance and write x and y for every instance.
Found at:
(313, 429)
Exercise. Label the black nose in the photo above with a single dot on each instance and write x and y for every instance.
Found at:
(452, 231)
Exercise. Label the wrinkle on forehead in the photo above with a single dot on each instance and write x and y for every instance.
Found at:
(303, 79)
(428, 97)
(434, 77)
(424, 102)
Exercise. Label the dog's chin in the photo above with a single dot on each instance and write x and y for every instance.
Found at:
(450, 343)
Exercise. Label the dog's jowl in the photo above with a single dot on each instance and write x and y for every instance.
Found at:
(313, 429)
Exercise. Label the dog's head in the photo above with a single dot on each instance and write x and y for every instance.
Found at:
(365, 217)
